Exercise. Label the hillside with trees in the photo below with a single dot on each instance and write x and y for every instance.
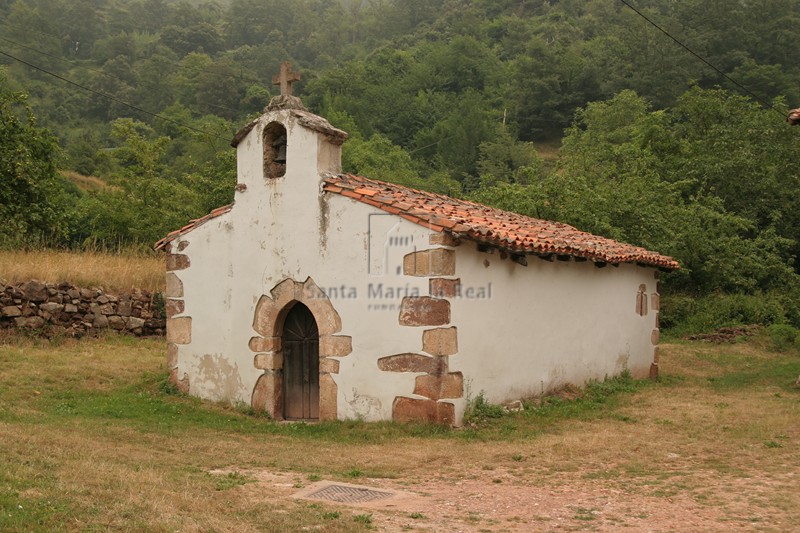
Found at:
(466, 98)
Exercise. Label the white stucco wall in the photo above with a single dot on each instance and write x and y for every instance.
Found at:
(548, 324)
(282, 228)
(545, 324)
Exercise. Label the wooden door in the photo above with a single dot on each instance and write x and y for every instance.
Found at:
(300, 345)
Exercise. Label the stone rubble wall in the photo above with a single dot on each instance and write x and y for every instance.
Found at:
(64, 309)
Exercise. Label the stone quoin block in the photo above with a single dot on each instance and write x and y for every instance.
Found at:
(265, 316)
(327, 398)
(416, 410)
(172, 355)
(335, 345)
(435, 262)
(444, 288)
(445, 413)
(655, 301)
(443, 239)
(409, 362)
(655, 336)
(267, 395)
(452, 385)
(182, 384)
(428, 385)
(268, 361)
(328, 366)
(177, 262)
(424, 311)
(440, 341)
(179, 330)
(439, 387)
(174, 286)
(328, 320)
(265, 344)
(173, 307)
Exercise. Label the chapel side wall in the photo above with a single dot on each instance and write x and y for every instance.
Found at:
(551, 323)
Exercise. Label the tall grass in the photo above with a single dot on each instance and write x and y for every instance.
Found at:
(117, 271)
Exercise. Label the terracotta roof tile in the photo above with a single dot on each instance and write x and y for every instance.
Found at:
(510, 231)
(191, 225)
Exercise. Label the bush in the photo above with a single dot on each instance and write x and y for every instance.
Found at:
(479, 410)
(783, 337)
(683, 314)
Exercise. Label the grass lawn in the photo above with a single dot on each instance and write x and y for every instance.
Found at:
(93, 438)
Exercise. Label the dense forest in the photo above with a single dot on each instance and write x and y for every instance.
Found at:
(116, 117)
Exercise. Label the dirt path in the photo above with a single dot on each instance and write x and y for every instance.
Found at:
(503, 500)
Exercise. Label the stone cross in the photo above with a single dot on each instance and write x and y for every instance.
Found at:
(286, 78)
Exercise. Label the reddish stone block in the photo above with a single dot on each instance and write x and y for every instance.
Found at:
(409, 362)
(335, 345)
(424, 311)
(655, 301)
(446, 413)
(174, 286)
(452, 386)
(179, 330)
(444, 288)
(443, 239)
(174, 307)
(328, 393)
(435, 262)
(414, 410)
(428, 386)
(177, 262)
(267, 395)
(440, 341)
(328, 366)
(265, 344)
(172, 355)
(268, 361)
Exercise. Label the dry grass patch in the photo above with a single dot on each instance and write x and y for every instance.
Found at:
(114, 272)
(91, 437)
(87, 183)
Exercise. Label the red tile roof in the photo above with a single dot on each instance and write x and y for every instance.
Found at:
(191, 225)
(505, 230)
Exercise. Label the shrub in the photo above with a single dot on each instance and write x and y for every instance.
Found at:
(782, 337)
(479, 410)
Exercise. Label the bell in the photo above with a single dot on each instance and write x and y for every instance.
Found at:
(281, 156)
(280, 149)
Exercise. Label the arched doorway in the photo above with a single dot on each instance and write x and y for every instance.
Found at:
(300, 345)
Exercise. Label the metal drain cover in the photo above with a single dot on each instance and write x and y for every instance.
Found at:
(348, 494)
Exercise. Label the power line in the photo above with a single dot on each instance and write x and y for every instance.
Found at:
(72, 62)
(26, 47)
(108, 96)
(705, 61)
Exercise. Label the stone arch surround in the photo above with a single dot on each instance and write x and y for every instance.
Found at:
(270, 313)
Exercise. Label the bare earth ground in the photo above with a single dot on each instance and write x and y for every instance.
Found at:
(530, 499)
(714, 447)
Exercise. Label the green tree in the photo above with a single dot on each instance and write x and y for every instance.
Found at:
(32, 202)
